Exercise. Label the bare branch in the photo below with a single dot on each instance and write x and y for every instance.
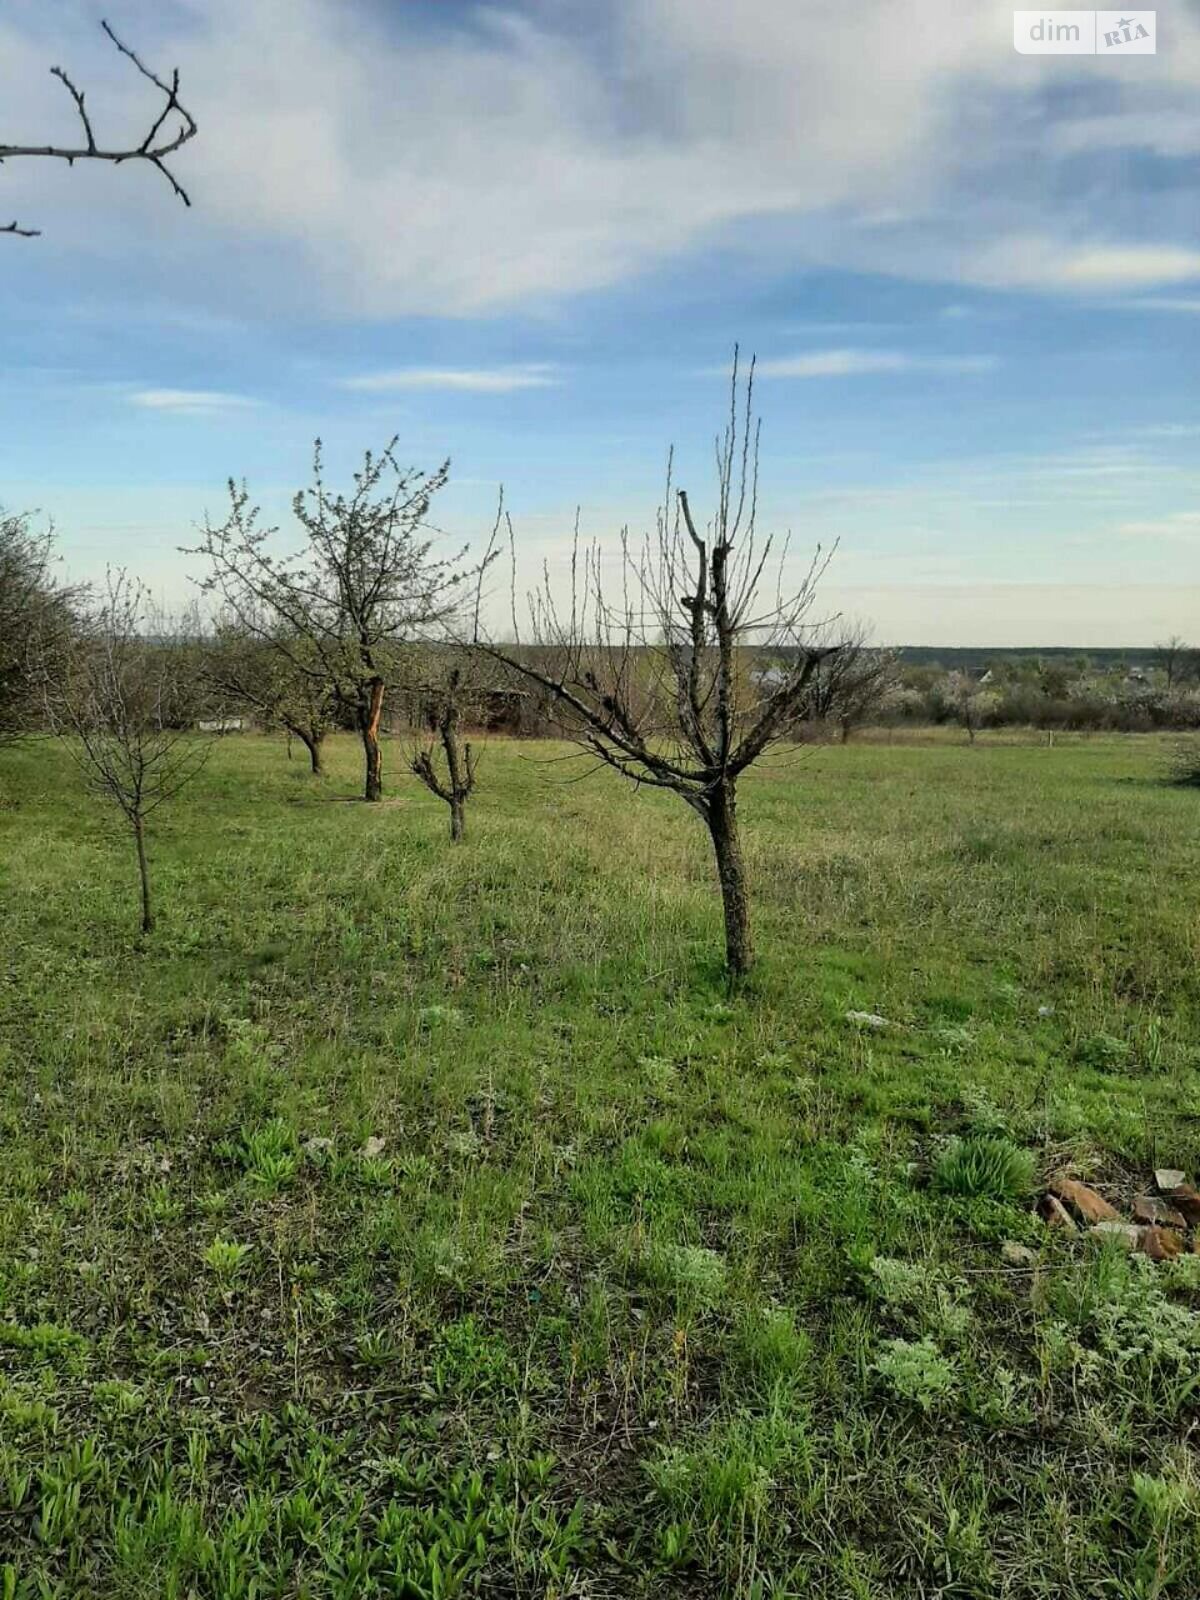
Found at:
(168, 132)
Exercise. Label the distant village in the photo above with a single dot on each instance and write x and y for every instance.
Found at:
(1130, 691)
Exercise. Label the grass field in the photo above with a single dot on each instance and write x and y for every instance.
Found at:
(409, 1221)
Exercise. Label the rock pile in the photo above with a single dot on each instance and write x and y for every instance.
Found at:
(1161, 1221)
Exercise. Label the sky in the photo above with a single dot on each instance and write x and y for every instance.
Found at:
(528, 235)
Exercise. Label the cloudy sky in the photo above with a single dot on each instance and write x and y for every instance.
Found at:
(527, 235)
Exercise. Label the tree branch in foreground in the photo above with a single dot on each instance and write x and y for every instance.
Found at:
(171, 129)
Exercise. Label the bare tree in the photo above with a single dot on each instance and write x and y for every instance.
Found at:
(122, 699)
(167, 132)
(849, 686)
(862, 692)
(652, 673)
(37, 619)
(277, 679)
(450, 776)
(1172, 656)
(346, 608)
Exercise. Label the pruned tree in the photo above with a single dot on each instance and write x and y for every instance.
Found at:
(652, 669)
(345, 608)
(37, 619)
(122, 699)
(443, 760)
(277, 679)
(167, 131)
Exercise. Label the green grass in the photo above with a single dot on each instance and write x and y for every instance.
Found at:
(651, 1288)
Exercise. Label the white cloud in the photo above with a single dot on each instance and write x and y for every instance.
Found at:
(1180, 303)
(1042, 262)
(188, 400)
(1129, 265)
(861, 363)
(428, 160)
(479, 380)
(1182, 525)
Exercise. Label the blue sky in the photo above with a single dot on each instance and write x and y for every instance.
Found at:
(527, 236)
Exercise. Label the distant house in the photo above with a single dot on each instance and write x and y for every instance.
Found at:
(221, 725)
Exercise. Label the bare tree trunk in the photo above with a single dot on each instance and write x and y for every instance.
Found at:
(460, 760)
(454, 770)
(313, 746)
(370, 738)
(139, 834)
(720, 813)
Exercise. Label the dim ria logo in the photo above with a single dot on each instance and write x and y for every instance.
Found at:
(1085, 33)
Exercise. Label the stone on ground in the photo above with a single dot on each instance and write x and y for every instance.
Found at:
(1083, 1200)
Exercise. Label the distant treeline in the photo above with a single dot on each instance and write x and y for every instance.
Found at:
(977, 659)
